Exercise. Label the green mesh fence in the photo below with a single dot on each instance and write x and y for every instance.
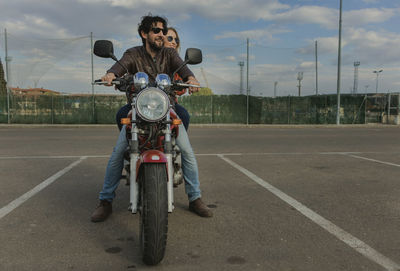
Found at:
(200, 108)
(56, 109)
(107, 107)
(216, 108)
(3, 109)
(86, 109)
(280, 110)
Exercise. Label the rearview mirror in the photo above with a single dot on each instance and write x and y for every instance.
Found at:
(103, 48)
(193, 56)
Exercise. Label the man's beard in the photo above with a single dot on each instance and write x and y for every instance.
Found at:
(154, 47)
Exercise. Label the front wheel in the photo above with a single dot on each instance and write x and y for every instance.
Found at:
(153, 212)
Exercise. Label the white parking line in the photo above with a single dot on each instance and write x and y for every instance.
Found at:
(373, 160)
(292, 153)
(17, 202)
(339, 233)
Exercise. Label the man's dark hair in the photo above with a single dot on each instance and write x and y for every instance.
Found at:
(147, 23)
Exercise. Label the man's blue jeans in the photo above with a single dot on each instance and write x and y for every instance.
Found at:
(116, 163)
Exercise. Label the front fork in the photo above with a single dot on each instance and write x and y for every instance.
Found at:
(170, 165)
(134, 156)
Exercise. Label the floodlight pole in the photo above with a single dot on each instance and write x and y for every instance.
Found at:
(91, 56)
(339, 64)
(316, 67)
(7, 77)
(247, 87)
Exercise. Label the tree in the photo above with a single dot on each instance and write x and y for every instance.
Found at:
(204, 92)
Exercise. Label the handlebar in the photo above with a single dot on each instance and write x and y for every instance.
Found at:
(100, 82)
(118, 82)
(187, 85)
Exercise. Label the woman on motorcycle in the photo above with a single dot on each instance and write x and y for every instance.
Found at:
(171, 40)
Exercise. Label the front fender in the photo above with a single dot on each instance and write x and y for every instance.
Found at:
(151, 156)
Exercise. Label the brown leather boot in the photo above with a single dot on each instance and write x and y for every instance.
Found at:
(198, 206)
(102, 211)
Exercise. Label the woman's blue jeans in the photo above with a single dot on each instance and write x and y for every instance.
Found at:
(116, 163)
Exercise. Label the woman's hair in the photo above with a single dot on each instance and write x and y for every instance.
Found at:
(178, 45)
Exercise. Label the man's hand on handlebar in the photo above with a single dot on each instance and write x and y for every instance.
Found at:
(108, 78)
(193, 81)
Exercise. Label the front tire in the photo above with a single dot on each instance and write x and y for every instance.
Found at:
(153, 212)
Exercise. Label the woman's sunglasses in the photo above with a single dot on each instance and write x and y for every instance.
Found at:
(170, 39)
(157, 30)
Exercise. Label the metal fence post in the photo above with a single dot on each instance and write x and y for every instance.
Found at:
(52, 109)
(91, 58)
(388, 111)
(398, 108)
(365, 109)
(212, 109)
(288, 110)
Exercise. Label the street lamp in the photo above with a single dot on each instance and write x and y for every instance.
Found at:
(377, 74)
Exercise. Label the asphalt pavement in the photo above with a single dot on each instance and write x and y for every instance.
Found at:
(283, 197)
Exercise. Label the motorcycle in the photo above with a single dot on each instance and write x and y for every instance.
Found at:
(153, 167)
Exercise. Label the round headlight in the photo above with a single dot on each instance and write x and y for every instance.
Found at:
(152, 104)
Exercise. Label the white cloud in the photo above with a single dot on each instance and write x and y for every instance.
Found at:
(306, 65)
(231, 58)
(325, 45)
(244, 56)
(376, 48)
(329, 17)
(215, 9)
(326, 17)
(371, 1)
(367, 16)
(254, 34)
(36, 26)
(368, 46)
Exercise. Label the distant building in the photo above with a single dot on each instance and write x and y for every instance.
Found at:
(33, 91)
(3, 88)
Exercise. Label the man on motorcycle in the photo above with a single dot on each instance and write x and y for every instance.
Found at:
(151, 58)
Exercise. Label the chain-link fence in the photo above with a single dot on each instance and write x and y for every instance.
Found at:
(101, 109)
(61, 109)
(281, 110)
(382, 108)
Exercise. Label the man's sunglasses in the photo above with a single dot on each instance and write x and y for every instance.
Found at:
(170, 39)
(157, 30)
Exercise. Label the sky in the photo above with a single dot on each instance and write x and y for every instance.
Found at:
(49, 42)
